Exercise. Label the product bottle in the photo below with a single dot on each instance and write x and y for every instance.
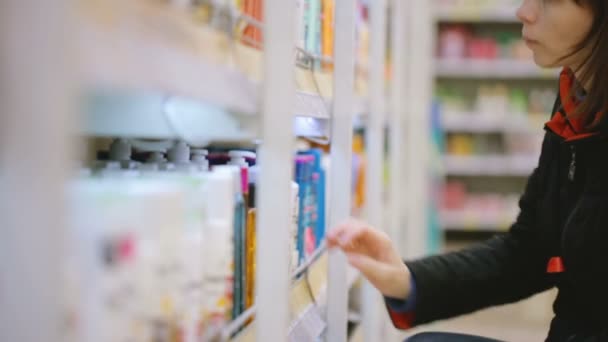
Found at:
(327, 28)
(313, 38)
(179, 156)
(218, 254)
(190, 267)
(240, 159)
(158, 158)
(199, 158)
(239, 227)
(120, 151)
(250, 239)
(305, 225)
(318, 180)
(293, 234)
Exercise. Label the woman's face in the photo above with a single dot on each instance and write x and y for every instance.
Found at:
(553, 29)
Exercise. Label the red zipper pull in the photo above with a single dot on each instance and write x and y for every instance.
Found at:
(556, 265)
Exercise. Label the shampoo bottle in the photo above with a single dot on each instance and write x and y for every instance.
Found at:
(239, 227)
(218, 253)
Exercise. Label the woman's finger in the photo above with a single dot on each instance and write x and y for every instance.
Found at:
(370, 268)
(336, 234)
(350, 235)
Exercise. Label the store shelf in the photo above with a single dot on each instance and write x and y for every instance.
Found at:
(491, 69)
(510, 166)
(476, 14)
(472, 221)
(480, 123)
(146, 46)
(144, 63)
(155, 116)
(307, 299)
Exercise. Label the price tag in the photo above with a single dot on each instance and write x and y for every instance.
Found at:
(308, 327)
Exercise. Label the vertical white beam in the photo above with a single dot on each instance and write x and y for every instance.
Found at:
(371, 299)
(417, 136)
(397, 135)
(276, 161)
(341, 162)
(397, 115)
(35, 86)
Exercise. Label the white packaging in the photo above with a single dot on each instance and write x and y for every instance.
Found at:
(293, 229)
(119, 233)
(218, 251)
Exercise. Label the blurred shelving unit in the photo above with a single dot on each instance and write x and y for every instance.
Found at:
(459, 220)
(518, 166)
(489, 12)
(193, 68)
(493, 101)
(491, 69)
(145, 70)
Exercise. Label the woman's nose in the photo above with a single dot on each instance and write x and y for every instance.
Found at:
(528, 11)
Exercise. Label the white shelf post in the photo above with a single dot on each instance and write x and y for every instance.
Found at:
(371, 299)
(397, 137)
(276, 161)
(396, 121)
(417, 129)
(341, 163)
(35, 117)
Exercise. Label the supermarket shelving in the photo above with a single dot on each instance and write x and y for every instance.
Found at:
(309, 300)
(476, 14)
(144, 46)
(188, 68)
(459, 220)
(491, 69)
(518, 166)
(483, 170)
(479, 123)
(159, 63)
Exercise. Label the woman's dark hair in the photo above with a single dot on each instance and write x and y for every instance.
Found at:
(594, 69)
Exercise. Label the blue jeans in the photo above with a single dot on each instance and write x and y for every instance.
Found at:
(447, 337)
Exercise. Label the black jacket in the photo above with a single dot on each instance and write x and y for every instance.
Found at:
(564, 213)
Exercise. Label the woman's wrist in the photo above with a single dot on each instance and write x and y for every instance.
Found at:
(400, 283)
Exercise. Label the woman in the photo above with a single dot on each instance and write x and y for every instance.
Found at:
(560, 237)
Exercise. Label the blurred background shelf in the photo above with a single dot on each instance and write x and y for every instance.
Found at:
(476, 14)
(490, 165)
(491, 69)
(469, 221)
(474, 122)
(144, 46)
(308, 298)
(144, 63)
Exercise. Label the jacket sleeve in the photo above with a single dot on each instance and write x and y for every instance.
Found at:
(505, 269)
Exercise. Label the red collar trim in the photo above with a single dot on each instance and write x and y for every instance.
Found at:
(562, 123)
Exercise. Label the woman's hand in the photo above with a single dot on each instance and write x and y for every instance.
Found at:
(371, 252)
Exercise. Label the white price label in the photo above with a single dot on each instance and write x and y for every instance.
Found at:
(308, 327)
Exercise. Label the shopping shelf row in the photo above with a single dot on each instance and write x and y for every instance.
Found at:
(476, 11)
(491, 69)
(308, 298)
(469, 220)
(164, 68)
(516, 166)
(474, 122)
